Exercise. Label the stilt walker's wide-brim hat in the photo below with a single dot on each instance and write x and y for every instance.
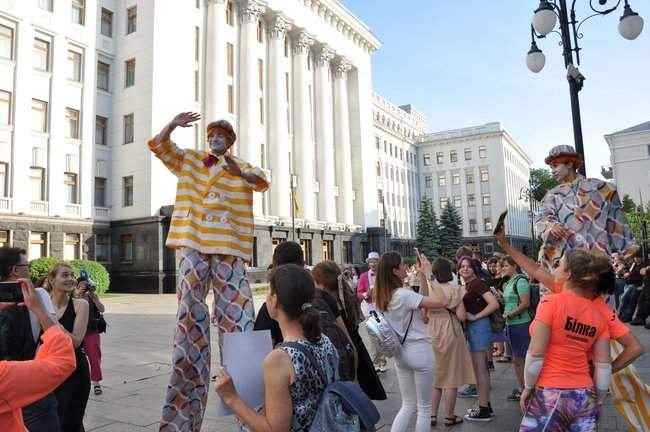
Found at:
(223, 125)
(565, 152)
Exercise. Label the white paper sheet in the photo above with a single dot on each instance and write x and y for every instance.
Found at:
(242, 355)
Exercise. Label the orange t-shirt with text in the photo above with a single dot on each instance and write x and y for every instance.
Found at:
(575, 326)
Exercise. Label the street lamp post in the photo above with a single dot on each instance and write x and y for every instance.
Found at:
(526, 194)
(544, 20)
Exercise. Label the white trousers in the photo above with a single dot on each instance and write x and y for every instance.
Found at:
(414, 369)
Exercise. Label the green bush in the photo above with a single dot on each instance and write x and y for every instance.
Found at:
(409, 261)
(38, 269)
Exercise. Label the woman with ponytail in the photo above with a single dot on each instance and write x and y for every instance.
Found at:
(293, 384)
(330, 279)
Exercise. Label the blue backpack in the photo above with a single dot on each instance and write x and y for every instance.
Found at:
(343, 407)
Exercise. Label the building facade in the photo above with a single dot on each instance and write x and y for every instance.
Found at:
(98, 79)
(481, 171)
(630, 158)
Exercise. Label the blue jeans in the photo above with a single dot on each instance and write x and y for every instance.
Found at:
(628, 302)
(619, 290)
(42, 416)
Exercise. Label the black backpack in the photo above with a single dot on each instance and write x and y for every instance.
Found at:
(534, 295)
(338, 338)
(16, 340)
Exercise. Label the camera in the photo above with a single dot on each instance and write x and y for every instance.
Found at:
(10, 292)
(85, 277)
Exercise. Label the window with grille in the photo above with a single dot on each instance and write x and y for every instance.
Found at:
(74, 66)
(39, 116)
(453, 156)
(468, 154)
(78, 11)
(103, 74)
(129, 73)
(482, 152)
(488, 224)
(41, 55)
(101, 126)
(37, 245)
(128, 128)
(71, 189)
(485, 176)
(131, 19)
(37, 181)
(100, 192)
(442, 180)
(457, 201)
(127, 191)
(426, 159)
(469, 178)
(107, 23)
(455, 179)
(472, 225)
(471, 200)
(71, 247)
(486, 199)
(6, 42)
(428, 183)
(5, 107)
(72, 123)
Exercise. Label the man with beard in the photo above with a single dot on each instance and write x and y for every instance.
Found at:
(212, 233)
(587, 214)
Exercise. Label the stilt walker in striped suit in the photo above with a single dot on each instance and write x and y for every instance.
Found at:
(212, 233)
(586, 213)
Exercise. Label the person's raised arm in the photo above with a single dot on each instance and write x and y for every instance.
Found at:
(164, 149)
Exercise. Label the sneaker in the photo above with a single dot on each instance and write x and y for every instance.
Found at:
(468, 392)
(490, 366)
(514, 396)
(479, 414)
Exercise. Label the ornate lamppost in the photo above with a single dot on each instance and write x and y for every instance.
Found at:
(526, 194)
(545, 19)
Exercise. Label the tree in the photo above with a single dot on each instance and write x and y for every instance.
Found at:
(428, 238)
(607, 172)
(541, 181)
(451, 231)
(629, 206)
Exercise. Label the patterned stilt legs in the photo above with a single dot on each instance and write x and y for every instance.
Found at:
(187, 392)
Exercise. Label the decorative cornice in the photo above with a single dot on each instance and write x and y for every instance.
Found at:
(250, 10)
(325, 55)
(342, 67)
(302, 43)
(278, 27)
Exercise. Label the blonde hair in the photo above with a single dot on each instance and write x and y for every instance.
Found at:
(49, 280)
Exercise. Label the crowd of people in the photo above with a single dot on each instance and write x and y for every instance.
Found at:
(454, 319)
(49, 347)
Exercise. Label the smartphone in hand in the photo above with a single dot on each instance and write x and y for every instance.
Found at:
(500, 224)
(11, 292)
(417, 254)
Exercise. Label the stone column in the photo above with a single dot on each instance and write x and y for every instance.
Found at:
(249, 139)
(302, 134)
(324, 136)
(342, 140)
(216, 106)
(279, 146)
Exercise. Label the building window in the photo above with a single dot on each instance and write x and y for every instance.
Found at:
(4, 184)
(440, 158)
(74, 66)
(131, 19)
(128, 129)
(101, 126)
(37, 245)
(129, 73)
(469, 177)
(328, 250)
(71, 247)
(230, 59)
(482, 152)
(305, 244)
(347, 252)
(37, 180)
(127, 189)
(107, 23)
(471, 200)
(442, 180)
(468, 154)
(648, 149)
(391, 149)
(457, 201)
(103, 73)
(39, 116)
(70, 183)
(453, 156)
(487, 222)
(100, 192)
(230, 13)
(72, 123)
(102, 247)
(260, 73)
(5, 107)
(455, 178)
(472, 225)
(78, 11)
(286, 46)
(41, 55)
(486, 200)
(426, 159)
(5, 238)
(378, 169)
(443, 203)
(231, 99)
(126, 248)
(197, 43)
(428, 183)
(45, 5)
(197, 86)
(6, 42)
(485, 176)
(260, 31)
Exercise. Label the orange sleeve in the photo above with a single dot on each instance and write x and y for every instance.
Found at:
(170, 155)
(615, 326)
(546, 310)
(24, 382)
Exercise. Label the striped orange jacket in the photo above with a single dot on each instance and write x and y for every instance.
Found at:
(213, 213)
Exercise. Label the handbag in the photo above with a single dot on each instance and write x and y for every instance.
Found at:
(102, 325)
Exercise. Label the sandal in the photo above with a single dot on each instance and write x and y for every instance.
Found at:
(98, 390)
(434, 420)
(452, 421)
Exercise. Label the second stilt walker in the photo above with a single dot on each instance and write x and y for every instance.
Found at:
(212, 233)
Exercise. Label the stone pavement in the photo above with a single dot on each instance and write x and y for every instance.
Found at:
(136, 366)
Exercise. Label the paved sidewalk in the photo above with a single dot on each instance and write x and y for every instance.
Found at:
(136, 366)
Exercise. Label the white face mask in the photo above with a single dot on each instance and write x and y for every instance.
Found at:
(218, 145)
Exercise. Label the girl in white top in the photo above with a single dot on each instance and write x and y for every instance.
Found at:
(414, 365)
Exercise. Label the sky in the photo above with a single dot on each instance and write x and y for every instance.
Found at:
(463, 63)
